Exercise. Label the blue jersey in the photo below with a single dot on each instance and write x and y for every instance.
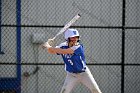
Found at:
(74, 62)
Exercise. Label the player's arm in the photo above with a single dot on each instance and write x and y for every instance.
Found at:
(60, 51)
(53, 50)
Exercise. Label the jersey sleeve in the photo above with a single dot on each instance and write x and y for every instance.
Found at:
(77, 49)
(60, 45)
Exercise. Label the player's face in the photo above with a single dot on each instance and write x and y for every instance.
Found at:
(73, 40)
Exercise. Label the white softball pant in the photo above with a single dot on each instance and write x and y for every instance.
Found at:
(85, 78)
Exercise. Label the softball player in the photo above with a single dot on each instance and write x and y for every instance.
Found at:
(72, 52)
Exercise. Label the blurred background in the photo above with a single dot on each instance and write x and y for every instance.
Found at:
(109, 31)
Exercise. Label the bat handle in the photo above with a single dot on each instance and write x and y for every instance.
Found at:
(54, 38)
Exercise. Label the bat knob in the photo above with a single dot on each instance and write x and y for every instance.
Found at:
(79, 15)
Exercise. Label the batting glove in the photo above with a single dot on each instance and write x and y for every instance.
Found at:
(46, 45)
(51, 42)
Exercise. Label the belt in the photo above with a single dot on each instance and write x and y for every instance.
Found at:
(79, 71)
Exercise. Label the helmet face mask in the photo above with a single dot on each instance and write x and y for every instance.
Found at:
(71, 33)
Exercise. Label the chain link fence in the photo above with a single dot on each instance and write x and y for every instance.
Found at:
(109, 30)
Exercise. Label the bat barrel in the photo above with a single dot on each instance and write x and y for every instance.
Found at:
(74, 19)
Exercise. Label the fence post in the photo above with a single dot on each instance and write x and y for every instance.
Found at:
(18, 33)
(123, 46)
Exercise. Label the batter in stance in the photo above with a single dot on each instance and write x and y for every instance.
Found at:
(72, 52)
